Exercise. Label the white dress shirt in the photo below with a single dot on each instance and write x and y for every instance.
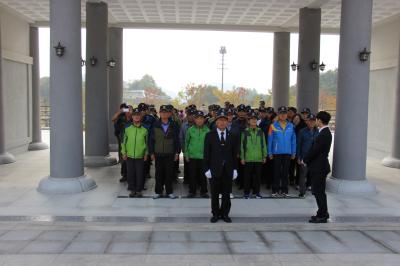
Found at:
(322, 128)
(219, 134)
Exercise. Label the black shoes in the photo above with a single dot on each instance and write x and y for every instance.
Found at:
(319, 220)
(214, 219)
(227, 219)
(191, 196)
(123, 179)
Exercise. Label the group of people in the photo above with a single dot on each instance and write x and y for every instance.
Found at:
(226, 145)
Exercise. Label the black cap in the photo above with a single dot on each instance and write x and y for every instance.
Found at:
(229, 111)
(242, 108)
(123, 105)
(306, 110)
(293, 109)
(253, 114)
(165, 108)
(221, 113)
(192, 106)
(136, 111)
(143, 107)
(311, 117)
(282, 109)
(262, 109)
(191, 111)
(199, 113)
(270, 110)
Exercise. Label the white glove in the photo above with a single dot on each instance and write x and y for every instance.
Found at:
(235, 174)
(208, 174)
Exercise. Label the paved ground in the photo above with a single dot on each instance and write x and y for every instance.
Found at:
(102, 228)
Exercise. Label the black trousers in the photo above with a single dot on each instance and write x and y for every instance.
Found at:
(292, 170)
(221, 185)
(121, 161)
(165, 172)
(252, 177)
(196, 176)
(240, 178)
(318, 184)
(281, 171)
(267, 173)
(135, 171)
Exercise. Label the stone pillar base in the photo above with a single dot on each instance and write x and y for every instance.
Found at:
(66, 185)
(391, 162)
(37, 146)
(113, 147)
(350, 187)
(6, 158)
(100, 161)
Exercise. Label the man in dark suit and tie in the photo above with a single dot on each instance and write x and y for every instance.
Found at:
(220, 166)
(318, 166)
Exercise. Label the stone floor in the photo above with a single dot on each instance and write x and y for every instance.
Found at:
(103, 227)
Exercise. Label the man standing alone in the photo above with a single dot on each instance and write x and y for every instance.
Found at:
(318, 166)
(220, 166)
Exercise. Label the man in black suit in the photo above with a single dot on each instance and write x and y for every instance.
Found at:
(318, 166)
(220, 166)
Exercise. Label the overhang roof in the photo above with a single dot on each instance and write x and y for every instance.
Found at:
(249, 15)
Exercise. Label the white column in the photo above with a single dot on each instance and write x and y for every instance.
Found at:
(36, 143)
(393, 160)
(350, 148)
(309, 49)
(66, 139)
(97, 94)
(116, 79)
(281, 69)
(5, 157)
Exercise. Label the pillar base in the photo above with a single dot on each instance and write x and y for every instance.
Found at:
(391, 162)
(66, 185)
(100, 161)
(6, 158)
(350, 187)
(37, 146)
(113, 147)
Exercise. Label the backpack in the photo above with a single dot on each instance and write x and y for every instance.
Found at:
(247, 134)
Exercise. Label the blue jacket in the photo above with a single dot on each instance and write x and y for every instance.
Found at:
(281, 141)
(304, 141)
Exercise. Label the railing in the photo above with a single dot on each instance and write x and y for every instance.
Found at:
(45, 116)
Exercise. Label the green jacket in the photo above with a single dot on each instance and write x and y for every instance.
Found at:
(134, 144)
(194, 142)
(253, 147)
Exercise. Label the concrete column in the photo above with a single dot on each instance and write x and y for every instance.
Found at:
(36, 143)
(66, 139)
(5, 157)
(281, 69)
(97, 94)
(350, 148)
(393, 160)
(116, 79)
(309, 46)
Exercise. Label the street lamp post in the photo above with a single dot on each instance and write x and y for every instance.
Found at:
(222, 51)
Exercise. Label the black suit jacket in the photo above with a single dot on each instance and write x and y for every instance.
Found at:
(317, 158)
(213, 154)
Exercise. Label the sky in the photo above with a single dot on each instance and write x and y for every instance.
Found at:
(176, 58)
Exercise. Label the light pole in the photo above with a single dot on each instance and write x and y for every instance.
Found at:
(222, 51)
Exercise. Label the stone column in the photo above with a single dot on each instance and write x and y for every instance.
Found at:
(5, 157)
(36, 143)
(66, 139)
(393, 160)
(97, 94)
(281, 69)
(309, 46)
(350, 148)
(116, 79)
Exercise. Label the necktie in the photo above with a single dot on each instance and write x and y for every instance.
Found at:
(222, 138)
